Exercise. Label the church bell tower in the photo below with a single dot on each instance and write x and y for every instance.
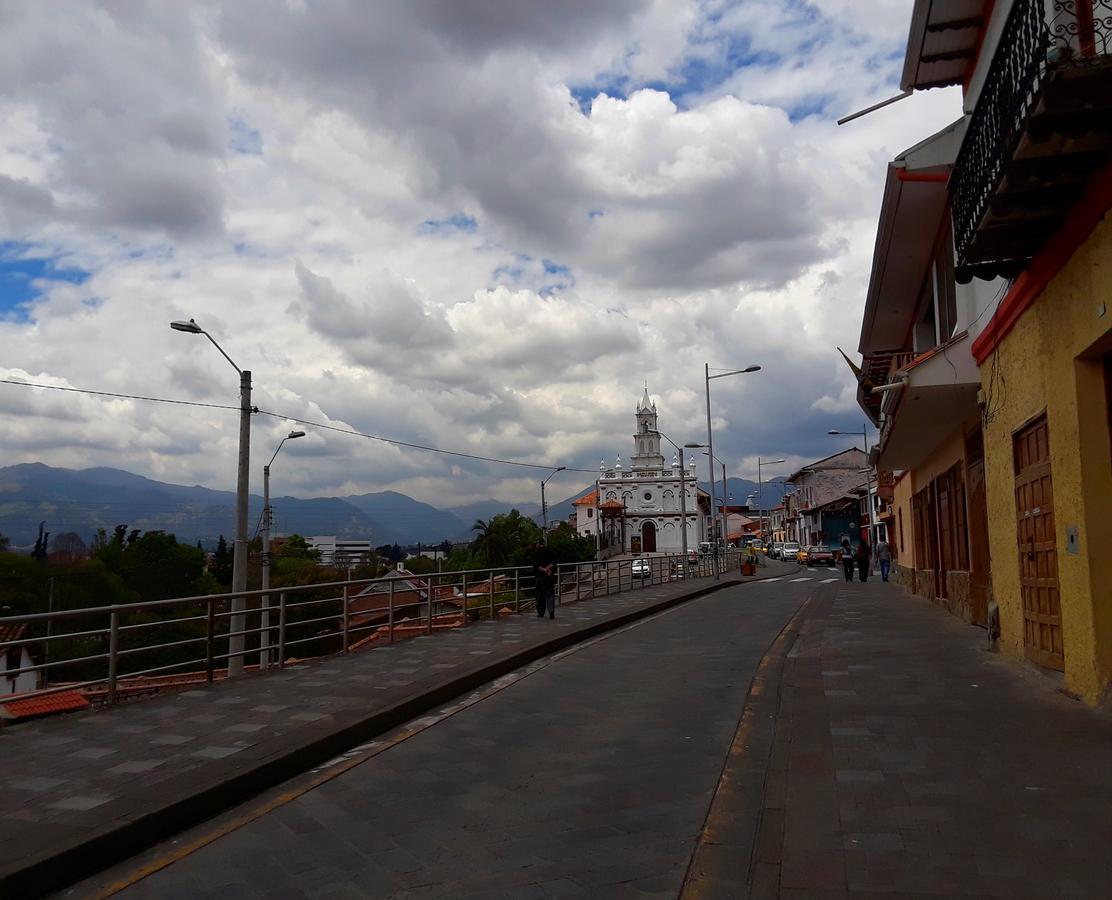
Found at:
(646, 442)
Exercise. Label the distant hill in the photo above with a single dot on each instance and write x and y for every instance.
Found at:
(410, 520)
(83, 500)
(87, 499)
(488, 509)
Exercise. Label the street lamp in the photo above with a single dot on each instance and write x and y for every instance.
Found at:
(544, 506)
(264, 634)
(710, 440)
(725, 514)
(683, 497)
(760, 491)
(868, 477)
(239, 560)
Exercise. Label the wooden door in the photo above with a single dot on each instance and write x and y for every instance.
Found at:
(648, 537)
(1038, 557)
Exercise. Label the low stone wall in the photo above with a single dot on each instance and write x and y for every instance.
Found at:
(922, 583)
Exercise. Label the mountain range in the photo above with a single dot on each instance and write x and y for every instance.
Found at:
(83, 500)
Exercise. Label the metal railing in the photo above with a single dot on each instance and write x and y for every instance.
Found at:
(1039, 37)
(113, 652)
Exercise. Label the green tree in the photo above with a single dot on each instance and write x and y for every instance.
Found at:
(221, 565)
(420, 565)
(296, 547)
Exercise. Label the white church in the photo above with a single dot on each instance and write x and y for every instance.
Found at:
(638, 509)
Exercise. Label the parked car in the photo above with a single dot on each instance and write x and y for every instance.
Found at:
(775, 550)
(820, 556)
(759, 546)
(642, 569)
(789, 552)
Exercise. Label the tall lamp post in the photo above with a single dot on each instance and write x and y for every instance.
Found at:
(544, 506)
(683, 497)
(239, 560)
(868, 477)
(725, 513)
(264, 634)
(760, 493)
(710, 444)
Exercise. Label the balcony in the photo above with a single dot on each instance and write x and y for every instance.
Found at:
(1042, 126)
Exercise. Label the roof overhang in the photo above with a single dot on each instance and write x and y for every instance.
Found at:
(911, 215)
(943, 40)
(938, 397)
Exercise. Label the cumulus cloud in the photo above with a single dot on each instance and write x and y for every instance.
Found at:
(473, 226)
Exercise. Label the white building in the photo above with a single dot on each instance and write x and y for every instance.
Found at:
(648, 493)
(336, 551)
(15, 656)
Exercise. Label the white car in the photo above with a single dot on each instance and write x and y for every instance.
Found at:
(789, 552)
(642, 569)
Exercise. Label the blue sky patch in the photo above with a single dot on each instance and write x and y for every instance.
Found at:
(457, 222)
(244, 138)
(23, 278)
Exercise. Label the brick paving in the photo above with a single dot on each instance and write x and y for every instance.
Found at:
(907, 759)
(80, 790)
(588, 778)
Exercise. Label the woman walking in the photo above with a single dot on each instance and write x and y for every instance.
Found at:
(864, 558)
(847, 559)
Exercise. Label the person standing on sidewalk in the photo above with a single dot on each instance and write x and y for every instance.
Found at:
(544, 580)
(884, 557)
(847, 559)
(864, 557)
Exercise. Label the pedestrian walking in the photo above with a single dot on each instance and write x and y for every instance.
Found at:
(847, 559)
(864, 557)
(884, 557)
(544, 580)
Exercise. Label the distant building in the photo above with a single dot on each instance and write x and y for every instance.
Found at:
(344, 552)
(641, 504)
(823, 499)
(14, 657)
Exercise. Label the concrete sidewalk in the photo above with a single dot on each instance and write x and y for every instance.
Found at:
(87, 790)
(909, 759)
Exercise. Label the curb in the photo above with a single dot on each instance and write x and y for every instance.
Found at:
(54, 871)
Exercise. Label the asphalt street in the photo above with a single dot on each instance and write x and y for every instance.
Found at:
(589, 775)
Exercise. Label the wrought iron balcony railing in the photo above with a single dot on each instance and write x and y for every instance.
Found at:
(1041, 40)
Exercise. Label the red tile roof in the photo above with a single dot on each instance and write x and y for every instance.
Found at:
(14, 631)
(43, 705)
(587, 499)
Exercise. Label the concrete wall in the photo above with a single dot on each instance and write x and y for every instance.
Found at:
(1043, 364)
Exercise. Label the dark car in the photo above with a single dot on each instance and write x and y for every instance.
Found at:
(820, 556)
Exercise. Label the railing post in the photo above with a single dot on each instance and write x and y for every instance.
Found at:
(517, 591)
(578, 583)
(282, 630)
(429, 631)
(113, 655)
(490, 596)
(210, 638)
(463, 589)
(390, 614)
(347, 622)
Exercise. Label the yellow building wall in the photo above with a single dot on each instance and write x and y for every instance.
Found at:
(1046, 363)
(901, 503)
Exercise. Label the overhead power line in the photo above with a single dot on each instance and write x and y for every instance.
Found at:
(276, 415)
(73, 390)
(412, 446)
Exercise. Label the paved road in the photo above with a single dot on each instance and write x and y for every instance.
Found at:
(590, 777)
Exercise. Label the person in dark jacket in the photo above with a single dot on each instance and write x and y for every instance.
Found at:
(847, 559)
(864, 558)
(544, 580)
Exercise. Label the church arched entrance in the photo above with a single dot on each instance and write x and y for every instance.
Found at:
(648, 537)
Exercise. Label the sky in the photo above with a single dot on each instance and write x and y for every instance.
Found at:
(482, 225)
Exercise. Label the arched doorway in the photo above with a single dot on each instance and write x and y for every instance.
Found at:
(648, 537)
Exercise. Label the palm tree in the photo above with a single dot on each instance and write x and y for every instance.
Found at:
(484, 542)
